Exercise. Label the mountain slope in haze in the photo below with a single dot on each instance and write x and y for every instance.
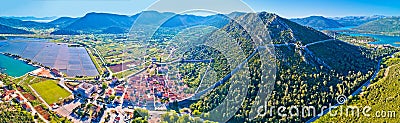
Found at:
(10, 30)
(115, 24)
(168, 19)
(96, 22)
(356, 20)
(304, 75)
(389, 26)
(151, 17)
(192, 20)
(111, 23)
(32, 18)
(285, 31)
(25, 24)
(63, 21)
(317, 22)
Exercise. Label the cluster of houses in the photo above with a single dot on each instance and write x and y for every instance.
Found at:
(10, 95)
(154, 92)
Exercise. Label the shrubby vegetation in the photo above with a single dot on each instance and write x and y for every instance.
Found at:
(14, 113)
(285, 31)
(381, 96)
(301, 78)
(191, 71)
(21, 84)
(387, 26)
(9, 30)
(173, 117)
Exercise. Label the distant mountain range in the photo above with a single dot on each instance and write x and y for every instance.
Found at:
(356, 20)
(96, 23)
(387, 26)
(100, 23)
(32, 18)
(317, 22)
(10, 30)
(24, 24)
(112, 23)
(63, 21)
(320, 22)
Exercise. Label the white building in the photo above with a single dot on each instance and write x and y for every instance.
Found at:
(85, 89)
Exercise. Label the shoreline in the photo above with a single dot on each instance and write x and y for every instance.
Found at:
(26, 61)
(372, 36)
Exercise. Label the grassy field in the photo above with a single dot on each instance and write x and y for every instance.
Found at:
(50, 91)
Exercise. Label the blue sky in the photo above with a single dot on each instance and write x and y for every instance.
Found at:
(285, 8)
(331, 8)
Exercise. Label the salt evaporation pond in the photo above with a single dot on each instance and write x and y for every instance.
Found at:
(74, 61)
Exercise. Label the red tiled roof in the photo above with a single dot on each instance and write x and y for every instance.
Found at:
(19, 98)
(26, 106)
(126, 96)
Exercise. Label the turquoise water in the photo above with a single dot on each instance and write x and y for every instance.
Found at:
(14, 67)
(381, 39)
(341, 28)
(73, 61)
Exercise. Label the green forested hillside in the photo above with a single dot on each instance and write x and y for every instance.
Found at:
(303, 77)
(382, 97)
(10, 30)
(317, 22)
(353, 57)
(388, 26)
(285, 31)
(356, 20)
(63, 21)
(24, 24)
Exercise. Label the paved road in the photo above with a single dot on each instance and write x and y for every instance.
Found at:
(62, 84)
(224, 79)
(278, 45)
(366, 84)
(133, 74)
(32, 108)
(355, 93)
(197, 95)
(318, 42)
(184, 61)
(103, 61)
